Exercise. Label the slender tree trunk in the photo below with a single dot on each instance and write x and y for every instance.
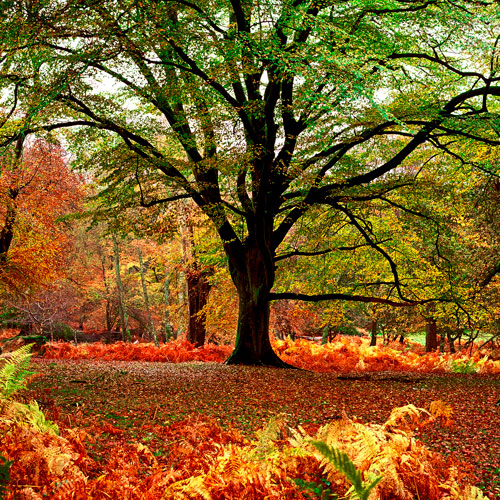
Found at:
(121, 293)
(109, 320)
(7, 231)
(198, 291)
(451, 341)
(431, 335)
(182, 301)
(325, 335)
(442, 342)
(151, 325)
(168, 329)
(373, 332)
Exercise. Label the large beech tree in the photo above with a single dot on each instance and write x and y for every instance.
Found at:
(259, 110)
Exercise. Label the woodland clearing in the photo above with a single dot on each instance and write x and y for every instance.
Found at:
(244, 173)
(117, 402)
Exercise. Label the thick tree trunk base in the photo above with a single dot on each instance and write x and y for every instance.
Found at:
(270, 358)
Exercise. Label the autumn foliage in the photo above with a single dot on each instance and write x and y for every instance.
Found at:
(343, 355)
(206, 461)
(36, 189)
(348, 354)
(177, 351)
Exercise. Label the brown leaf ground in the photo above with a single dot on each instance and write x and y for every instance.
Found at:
(120, 400)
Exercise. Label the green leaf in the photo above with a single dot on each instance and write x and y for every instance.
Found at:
(343, 463)
(14, 373)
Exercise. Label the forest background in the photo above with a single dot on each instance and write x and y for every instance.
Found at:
(240, 156)
(240, 173)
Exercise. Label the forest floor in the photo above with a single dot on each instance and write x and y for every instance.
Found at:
(120, 401)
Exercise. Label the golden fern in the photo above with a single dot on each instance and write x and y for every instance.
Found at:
(231, 463)
(274, 430)
(408, 468)
(442, 412)
(36, 418)
(406, 418)
(188, 489)
(361, 461)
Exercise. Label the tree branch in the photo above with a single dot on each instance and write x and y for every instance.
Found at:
(377, 248)
(489, 277)
(441, 62)
(323, 252)
(341, 296)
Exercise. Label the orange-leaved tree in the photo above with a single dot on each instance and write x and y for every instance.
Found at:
(37, 188)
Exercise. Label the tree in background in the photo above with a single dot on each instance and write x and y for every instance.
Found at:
(37, 189)
(122, 304)
(262, 113)
(151, 326)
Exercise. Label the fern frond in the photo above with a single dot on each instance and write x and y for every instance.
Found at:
(299, 438)
(266, 447)
(28, 414)
(15, 371)
(472, 493)
(4, 475)
(442, 412)
(273, 431)
(36, 418)
(406, 418)
(344, 464)
(187, 489)
(231, 462)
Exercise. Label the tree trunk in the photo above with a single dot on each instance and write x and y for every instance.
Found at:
(109, 319)
(7, 232)
(181, 300)
(168, 329)
(198, 291)
(325, 335)
(121, 293)
(373, 332)
(151, 325)
(431, 335)
(442, 342)
(252, 272)
(451, 341)
(253, 346)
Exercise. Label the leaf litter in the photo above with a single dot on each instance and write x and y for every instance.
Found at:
(130, 401)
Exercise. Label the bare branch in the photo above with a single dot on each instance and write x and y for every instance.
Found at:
(323, 252)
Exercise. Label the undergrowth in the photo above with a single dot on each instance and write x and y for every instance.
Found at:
(4, 475)
(344, 354)
(344, 459)
(14, 372)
